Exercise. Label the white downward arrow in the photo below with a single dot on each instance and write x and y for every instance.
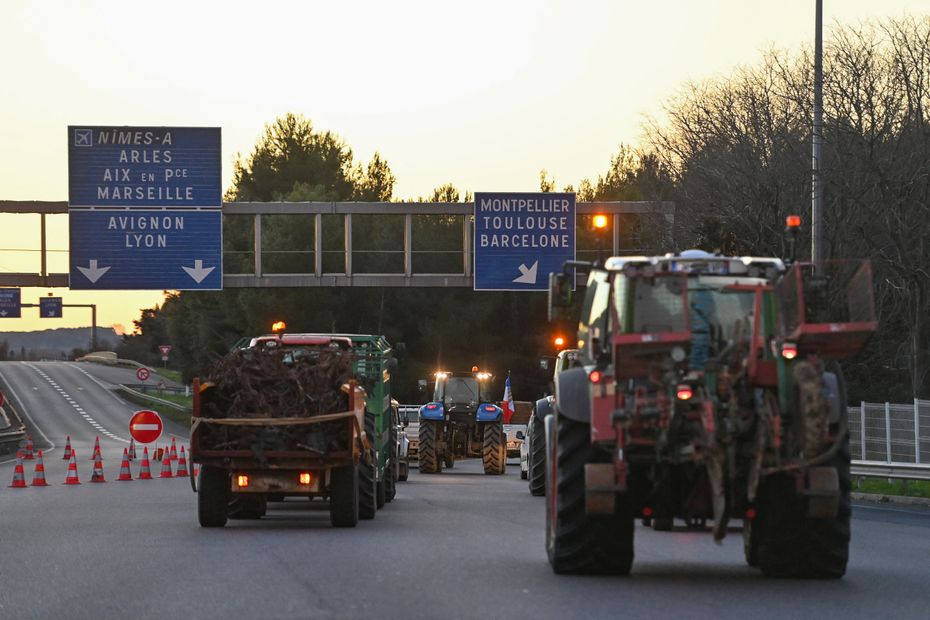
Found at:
(93, 273)
(527, 276)
(198, 272)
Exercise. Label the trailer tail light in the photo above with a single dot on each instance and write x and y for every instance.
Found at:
(647, 511)
(306, 478)
(789, 350)
(684, 392)
(242, 481)
(750, 513)
(431, 407)
(595, 376)
(490, 408)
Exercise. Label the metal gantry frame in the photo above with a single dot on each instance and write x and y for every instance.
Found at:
(348, 277)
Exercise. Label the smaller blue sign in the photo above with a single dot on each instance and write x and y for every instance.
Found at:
(10, 303)
(50, 307)
(146, 250)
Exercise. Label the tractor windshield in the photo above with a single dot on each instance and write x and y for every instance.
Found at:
(460, 390)
(718, 313)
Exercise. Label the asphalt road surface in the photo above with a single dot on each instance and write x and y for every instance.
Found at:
(455, 545)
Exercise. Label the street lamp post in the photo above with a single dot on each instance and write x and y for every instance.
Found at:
(817, 249)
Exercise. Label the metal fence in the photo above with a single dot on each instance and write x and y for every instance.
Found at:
(890, 432)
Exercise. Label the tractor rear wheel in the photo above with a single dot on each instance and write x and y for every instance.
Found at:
(212, 496)
(790, 543)
(404, 471)
(576, 542)
(367, 480)
(536, 470)
(494, 449)
(343, 496)
(428, 452)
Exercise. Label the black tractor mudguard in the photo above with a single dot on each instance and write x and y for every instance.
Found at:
(572, 395)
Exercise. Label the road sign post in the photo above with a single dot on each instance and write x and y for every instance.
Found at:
(145, 208)
(145, 426)
(520, 238)
(10, 303)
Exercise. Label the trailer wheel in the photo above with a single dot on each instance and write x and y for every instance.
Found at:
(793, 545)
(428, 453)
(343, 496)
(494, 449)
(404, 471)
(578, 543)
(536, 468)
(212, 496)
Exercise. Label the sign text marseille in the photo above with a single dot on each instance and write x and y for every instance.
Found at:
(144, 206)
(521, 237)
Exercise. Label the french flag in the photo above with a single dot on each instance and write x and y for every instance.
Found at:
(507, 403)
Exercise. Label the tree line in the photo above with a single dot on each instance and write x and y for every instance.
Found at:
(734, 154)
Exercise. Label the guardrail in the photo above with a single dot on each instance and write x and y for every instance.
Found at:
(129, 390)
(890, 432)
(901, 471)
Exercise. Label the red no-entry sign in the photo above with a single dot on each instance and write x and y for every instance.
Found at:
(145, 426)
(142, 374)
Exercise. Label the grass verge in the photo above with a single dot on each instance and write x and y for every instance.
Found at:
(904, 488)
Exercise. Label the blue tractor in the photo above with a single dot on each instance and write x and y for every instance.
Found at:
(461, 422)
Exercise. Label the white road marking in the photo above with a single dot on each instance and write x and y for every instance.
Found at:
(32, 422)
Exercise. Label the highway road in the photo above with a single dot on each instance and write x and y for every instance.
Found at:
(455, 545)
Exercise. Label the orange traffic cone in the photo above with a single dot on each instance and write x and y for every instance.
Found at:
(72, 477)
(67, 454)
(97, 476)
(19, 476)
(159, 453)
(38, 478)
(96, 449)
(174, 450)
(27, 453)
(132, 449)
(124, 472)
(145, 473)
(166, 467)
(182, 465)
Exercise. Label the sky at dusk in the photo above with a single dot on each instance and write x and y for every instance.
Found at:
(478, 94)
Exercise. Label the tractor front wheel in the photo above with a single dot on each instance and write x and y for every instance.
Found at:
(494, 449)
(428, 448)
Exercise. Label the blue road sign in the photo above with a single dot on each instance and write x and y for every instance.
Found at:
(10, 303)
(50, 307)
(144, 206)
(143, 167)
(520, 238)
(140, 250)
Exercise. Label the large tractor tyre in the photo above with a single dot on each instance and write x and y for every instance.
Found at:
(428, 452)
(449, 460)
(343, 496)
(247, 506)
(790, 543)
(576, 542)
(403, 471)
(381, 492)
(212, 496)
(751, 531)
(390, 482)
(494, 449)
(367, 487)
(536, 470)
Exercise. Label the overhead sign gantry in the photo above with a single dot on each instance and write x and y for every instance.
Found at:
(144, 205)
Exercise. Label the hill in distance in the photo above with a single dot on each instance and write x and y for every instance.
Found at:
(55, 343)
